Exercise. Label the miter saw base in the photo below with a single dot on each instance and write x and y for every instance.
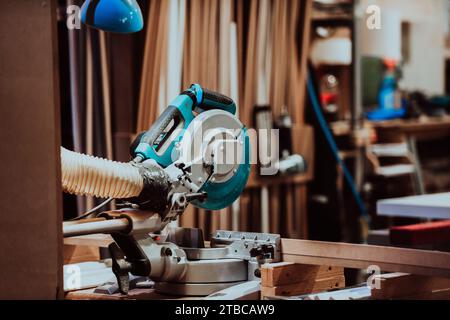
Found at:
(189, 268)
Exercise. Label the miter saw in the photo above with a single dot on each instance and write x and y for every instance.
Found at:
(197, 152)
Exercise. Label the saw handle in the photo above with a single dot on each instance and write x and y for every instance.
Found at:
(145, 146)
(160, 125)
(214, 100)
(205, 100)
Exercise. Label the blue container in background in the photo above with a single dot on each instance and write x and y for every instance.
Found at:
(389, 106)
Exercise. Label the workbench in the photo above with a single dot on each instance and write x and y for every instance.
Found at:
(430, 206)
(306, 267)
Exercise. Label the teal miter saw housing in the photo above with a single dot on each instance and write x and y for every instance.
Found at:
(159, 142)
(166, 144)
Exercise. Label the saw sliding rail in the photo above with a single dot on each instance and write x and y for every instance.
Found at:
(93, 226)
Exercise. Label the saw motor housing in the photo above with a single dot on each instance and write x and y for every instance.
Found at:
(202, 146)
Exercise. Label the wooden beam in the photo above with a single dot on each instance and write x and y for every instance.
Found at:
(77, 254)
(284, 273)
(303, 63)
(89, 201)
(92, 240)
(359, 256)
(305, 287)
(106, 94)
(249, 92)
(403, 285)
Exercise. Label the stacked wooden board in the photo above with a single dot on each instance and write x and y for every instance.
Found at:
(410, 286)
(290, 279)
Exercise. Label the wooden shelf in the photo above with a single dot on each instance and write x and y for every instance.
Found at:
(415, 126)
(421, 126)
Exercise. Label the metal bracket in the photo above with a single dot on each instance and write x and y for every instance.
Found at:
(264, 247)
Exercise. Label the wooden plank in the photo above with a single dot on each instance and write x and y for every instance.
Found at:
(304, 54)
(359, 256)
(289, 210)
(254, 218)
(30, 179)
(283, 60)
(403, 285)
(173, 72)
(213, 47)
(97, 240)
(145, 102)
(301, 211)
(261, 92)
(146, 65)
(293, 56)
(133, 294)
(244, 211)
(187, 219)
(303, 144)
(162, 81)
(89, 104)
(89, 95)
(225, 68)
(274, 194)
(106, 93)
(276, 83)
(283, 273)
(300, 288)
(158, 64)
(249, 91)
(240, 54)
(124, 94)
(76, 254)
(435, 295)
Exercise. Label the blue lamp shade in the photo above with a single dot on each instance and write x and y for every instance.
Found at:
(121, 16)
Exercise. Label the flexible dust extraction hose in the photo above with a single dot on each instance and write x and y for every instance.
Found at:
(92, 176)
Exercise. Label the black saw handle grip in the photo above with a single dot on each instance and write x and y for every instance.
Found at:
(211, 100)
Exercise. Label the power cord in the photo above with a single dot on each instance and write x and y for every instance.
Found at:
(93, 210)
